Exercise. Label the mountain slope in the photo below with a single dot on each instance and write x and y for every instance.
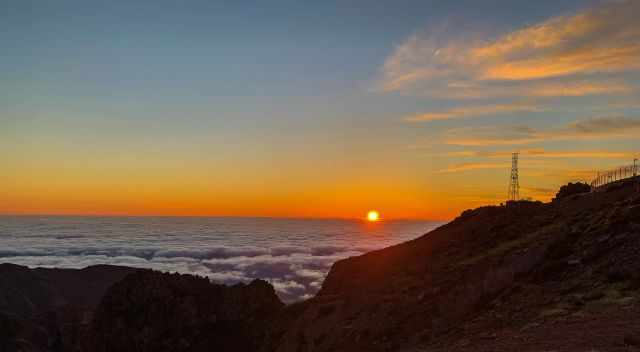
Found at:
(153, 311)
(492, 270)
(45, 309)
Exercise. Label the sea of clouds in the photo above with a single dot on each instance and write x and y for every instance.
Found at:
(294, 255)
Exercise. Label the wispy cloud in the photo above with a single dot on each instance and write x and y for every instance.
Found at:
(567, 175)
(604, 38)
(551, 154)
(604, 126)
(562, 56)
(576, 89)
(538, 192)
(452, 168)
(473, 166)
(472, 111)
(588, 129)
(491, 135)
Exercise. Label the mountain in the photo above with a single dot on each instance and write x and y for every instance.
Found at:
(523, 276)
(45, 309)
(153, 311)
(110, 308)
(526, 276)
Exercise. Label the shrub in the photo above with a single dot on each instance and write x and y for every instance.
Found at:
(571, 189)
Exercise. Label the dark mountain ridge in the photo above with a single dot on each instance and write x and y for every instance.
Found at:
(525, 265)
(40, 308)
(524, 276)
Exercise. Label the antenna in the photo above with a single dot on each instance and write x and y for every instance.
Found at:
(514, 183)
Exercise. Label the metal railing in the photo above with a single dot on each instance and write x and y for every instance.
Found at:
(621, 173)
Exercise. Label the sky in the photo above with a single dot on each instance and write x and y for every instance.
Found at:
(310, 109)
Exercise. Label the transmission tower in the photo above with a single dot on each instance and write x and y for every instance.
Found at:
(514, 184)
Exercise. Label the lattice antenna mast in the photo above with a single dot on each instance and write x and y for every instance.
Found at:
(514, 183)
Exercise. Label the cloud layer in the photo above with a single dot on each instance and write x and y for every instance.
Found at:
(294, 255)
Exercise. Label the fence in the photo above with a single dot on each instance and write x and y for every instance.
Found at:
(618, 174)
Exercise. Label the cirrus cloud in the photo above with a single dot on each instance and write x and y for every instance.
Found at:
(562, 56)
(549, 154)
(473, 111)
(587, 129)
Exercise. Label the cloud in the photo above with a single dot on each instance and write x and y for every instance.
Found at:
(562, 56)
(604, 125)
(472, 111)
(600, 39)
(294, 274)
(488, 165)
(576, 89)
(289, 287)
(538, 192)
(552, 154)
(474, 166)
(491, 135)
(537, 165)
(296, 266)
(588, 129)
(569, 175)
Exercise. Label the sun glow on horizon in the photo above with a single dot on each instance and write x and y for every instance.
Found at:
(373, 215)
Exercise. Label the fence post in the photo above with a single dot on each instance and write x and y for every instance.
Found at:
(617, 174)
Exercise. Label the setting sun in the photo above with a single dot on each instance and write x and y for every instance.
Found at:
(373, 215)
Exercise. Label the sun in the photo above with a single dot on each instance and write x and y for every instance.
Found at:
(373, 215)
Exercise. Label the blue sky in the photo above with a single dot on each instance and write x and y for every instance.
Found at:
(191, 51)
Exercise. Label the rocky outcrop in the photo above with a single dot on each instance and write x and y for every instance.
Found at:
(109, 308)
(47, 309)
(153, 311)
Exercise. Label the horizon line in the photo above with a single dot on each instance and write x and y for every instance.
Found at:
(87, 215)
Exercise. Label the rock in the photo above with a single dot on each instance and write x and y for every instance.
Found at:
(153, 311)
(632, 340)
(594, 295)
(41, 308)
